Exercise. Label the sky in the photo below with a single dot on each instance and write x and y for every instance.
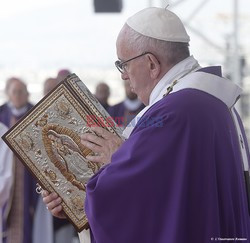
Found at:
(43, 34)
(39, 37)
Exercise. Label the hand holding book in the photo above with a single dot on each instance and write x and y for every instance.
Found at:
(102, 143)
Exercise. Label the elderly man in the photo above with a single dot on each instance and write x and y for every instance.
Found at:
(179, 176)
(18, 214)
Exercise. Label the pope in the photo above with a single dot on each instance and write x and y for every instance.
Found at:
(179, 176)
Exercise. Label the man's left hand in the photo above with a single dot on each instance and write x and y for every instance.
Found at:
(104, 144)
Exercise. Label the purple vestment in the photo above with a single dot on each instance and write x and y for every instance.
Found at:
(177, 179)
(29, 195)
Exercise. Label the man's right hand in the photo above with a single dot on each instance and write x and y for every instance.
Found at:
(53, 203)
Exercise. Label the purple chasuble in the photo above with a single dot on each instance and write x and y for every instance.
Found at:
(177, 179)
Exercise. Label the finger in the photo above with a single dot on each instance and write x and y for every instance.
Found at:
(53, 204)
(102, 132)
(92, 138)
(118, 140)
(97, 159)
(57, 211)
(108, 135)
(95, 148)
(45, 193)
(52, 196)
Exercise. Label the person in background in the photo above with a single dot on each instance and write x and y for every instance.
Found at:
(19, 212)
(49, 84)
(182, 174)
(124, 112)
(17, 104)
(102, 93)
(62, 74)
(6, 176)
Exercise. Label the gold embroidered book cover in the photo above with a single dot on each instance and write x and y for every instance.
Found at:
(47, 141)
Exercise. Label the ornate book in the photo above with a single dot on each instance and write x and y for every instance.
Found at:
(47, 141)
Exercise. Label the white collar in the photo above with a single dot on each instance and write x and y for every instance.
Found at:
(221, 88)
(179, 70)
(17, 111)
(132, 105)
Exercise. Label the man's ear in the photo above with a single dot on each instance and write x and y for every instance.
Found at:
(154, 66)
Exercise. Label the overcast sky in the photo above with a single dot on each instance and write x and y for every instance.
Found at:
(38, 37)
(55, 33)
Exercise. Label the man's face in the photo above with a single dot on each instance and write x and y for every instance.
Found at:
(17, 94)
(129, 94)
(137, 70)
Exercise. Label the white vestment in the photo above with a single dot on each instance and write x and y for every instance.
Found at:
(6, 178)
(180, 70)
(84, 236)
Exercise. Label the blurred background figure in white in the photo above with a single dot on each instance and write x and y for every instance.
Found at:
(21, 206)
(6, 162)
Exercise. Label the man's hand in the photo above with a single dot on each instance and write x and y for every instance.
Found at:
(53, 203)
(103, 145)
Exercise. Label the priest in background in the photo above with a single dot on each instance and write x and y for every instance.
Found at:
(17, 104)
(124, 112)
(19, 210)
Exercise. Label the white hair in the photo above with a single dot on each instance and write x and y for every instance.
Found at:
(165, 51)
